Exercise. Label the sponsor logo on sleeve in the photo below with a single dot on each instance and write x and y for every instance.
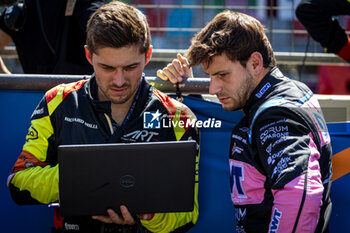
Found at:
(263, 90)
(279, 141)
(38, 111)
(244, 129)
(81, 121)
(281, 165)
(276, 218)
(271, 159)
(236, 149)
(71, 227)
(32, 134)
(240, 214)
(234, 136)
(268, 149)
(240, 229)
(273, 133)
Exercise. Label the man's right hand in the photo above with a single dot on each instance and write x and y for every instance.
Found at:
(176, 71)
(124, 219)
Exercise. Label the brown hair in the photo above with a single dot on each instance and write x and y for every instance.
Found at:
(236, 34)
(116, 25)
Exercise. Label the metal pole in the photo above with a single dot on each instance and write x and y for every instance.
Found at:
(45, 82)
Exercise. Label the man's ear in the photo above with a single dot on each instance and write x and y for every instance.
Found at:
(149, 54)
(256, 63)
(88, 54)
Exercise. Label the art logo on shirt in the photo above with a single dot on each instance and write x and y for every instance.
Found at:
(151, 120)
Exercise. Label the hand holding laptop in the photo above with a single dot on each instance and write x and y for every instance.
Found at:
(125, 219)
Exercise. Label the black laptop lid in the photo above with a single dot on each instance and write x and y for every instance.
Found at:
(146, 177)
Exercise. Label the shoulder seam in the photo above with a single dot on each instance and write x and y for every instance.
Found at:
(65, 88)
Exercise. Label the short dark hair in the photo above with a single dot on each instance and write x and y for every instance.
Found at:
(236, 34)
(117, 25)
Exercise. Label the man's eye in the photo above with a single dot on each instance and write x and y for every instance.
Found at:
(107, 68)
(130, 67)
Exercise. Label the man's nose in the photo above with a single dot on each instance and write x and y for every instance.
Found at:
(214, 86)
(119, 78)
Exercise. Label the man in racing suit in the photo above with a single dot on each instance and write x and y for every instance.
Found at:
(280, 153)
(280, 160)
(107, 108)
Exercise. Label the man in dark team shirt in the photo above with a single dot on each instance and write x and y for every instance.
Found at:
(107, 108)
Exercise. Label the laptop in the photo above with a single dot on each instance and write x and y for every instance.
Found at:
(154, 177)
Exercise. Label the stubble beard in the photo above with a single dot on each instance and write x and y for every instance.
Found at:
(244, 94)
(124, 98)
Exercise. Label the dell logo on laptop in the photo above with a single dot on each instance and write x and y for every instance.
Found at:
(127, 181)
